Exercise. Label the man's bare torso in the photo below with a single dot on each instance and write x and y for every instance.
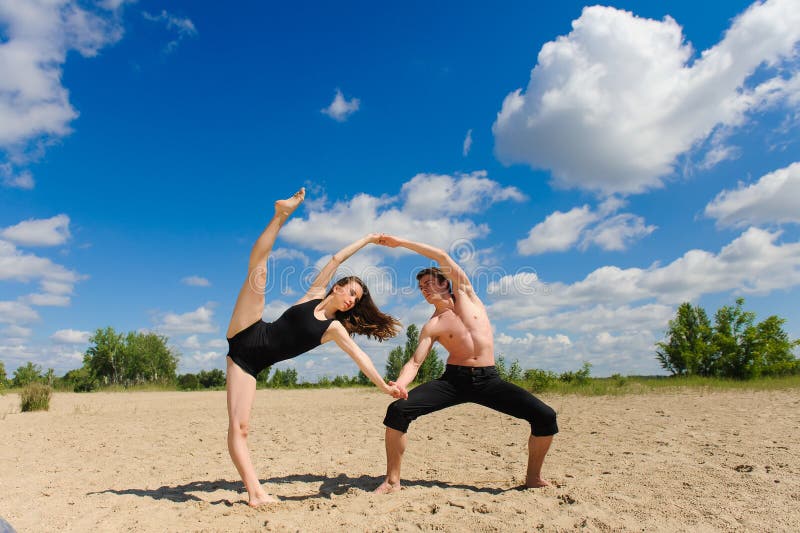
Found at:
(464, 331)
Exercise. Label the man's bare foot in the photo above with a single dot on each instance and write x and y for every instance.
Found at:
(287, 206)
(536, 483)
(262, 499)
(387, 488)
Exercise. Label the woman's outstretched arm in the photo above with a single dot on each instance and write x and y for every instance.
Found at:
(318, 287)
(339, 335)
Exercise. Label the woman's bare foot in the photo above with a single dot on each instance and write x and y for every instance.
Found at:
(286, 207)
(536, 483)
(387, 488)
(262, 499)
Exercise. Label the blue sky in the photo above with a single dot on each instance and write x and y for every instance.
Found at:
(592, 167)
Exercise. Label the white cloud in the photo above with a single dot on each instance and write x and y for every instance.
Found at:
(52, 231)
(273, 309)
(558, 232)
(191, 342)
(595, 318)
(752, 263)
(610, 106)
(201, 320)
(71, 336)
(196, 281)
(22, 180)
(467, 143)
(425, 213)
(34, 105)
(15, 312)
(427, 195)
(16, 332)
(340, 109)
(56, 287)
(44, 299)
(279, 254)
(616, 233)
(56, 281)
(217, 343)
(561, 231)
(182, 27)
(774, 198)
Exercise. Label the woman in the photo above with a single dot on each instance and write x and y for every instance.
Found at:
(317, 318)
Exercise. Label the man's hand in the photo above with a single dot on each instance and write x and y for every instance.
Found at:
(388, 240)
(398, 391)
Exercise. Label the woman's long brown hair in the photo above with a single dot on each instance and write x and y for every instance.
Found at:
(364, 318)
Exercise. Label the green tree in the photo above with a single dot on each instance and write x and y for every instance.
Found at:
(500, 366)
(103, 358)
(775, 355)
(340, 381)
(263, 376)
(129, 359)
(81, 380)
(188, 382)
(688, 347)
(212, 378)
(735, 342)
(3, 376)
(735, 347)
(431, 368)
(394, 364)
(361, 379)
(579, 377)
(515, 372)
(24, 375)
(284, 378)
(539, 380)
(155, 360)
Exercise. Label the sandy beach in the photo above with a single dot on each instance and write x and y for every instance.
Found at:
(157, 461)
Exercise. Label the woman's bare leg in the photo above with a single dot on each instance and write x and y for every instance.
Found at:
(241, 388)
(250, 302)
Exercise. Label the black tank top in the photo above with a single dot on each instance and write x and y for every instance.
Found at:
(263, 344)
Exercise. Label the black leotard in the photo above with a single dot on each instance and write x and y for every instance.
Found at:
(263, 344)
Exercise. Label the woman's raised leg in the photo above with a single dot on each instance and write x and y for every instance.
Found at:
(250, 302)
(241, 388)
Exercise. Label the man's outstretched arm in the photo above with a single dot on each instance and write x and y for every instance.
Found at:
(411, 368)
(448, 266)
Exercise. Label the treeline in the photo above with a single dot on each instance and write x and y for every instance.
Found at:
(111, 359)
(734, 346)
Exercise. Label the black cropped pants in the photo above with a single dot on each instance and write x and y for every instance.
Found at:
(481, 385)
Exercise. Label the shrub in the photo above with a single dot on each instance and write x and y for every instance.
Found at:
(80, 380)
(188, 382)
(35, 397)
(212, 378)
(539, 380)
(619, 380)
(579, 377)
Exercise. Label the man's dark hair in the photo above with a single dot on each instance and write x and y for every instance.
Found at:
(436, 272)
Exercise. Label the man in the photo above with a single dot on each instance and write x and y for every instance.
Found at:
(460, 324)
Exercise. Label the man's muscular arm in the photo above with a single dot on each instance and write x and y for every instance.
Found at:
(410, 369)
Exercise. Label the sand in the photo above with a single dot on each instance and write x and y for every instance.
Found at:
(157, 461)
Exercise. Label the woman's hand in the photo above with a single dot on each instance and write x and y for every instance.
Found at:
(397, 391)
(373, 238)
